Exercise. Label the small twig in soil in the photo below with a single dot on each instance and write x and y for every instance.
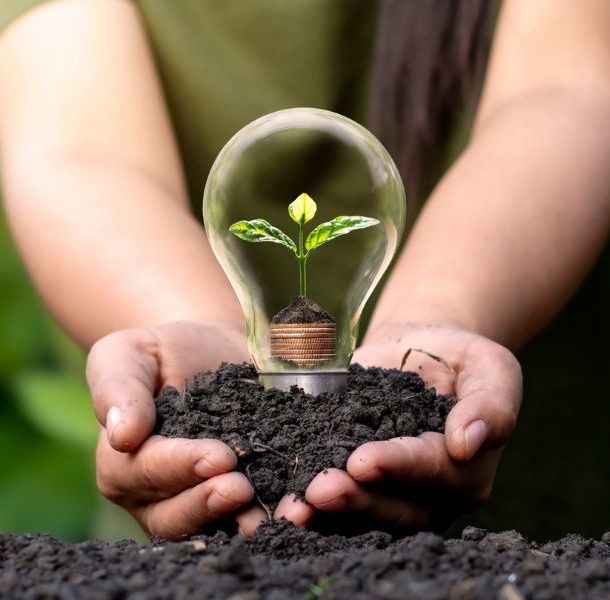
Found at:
(239, 452)
(540, 553)
(296, 464)
(438, 359)
(258, 498)
(183, 395)
(198, 545)
(260, 447)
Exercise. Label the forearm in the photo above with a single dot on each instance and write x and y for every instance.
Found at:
(110, 248)
(92, 179)
(515, 226)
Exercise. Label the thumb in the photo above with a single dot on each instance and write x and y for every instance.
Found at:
(122, 372)
(489, 390)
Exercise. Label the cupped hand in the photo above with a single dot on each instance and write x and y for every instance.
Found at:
(173, 487)
(413, 483)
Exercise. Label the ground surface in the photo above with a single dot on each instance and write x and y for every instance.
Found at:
(269, 430)
(283, 440)
(284, 562)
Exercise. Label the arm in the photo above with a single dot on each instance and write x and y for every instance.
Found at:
(505, 239)
(92, 180)
(96, 200)
(527, 206)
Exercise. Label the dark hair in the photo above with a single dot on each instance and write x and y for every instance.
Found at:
(429, 61)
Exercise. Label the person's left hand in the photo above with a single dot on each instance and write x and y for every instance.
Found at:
(413, 483)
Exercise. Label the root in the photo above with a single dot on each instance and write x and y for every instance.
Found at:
(260, 447)
(258, 498)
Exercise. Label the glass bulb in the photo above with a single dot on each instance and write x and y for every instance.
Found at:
(295, 157)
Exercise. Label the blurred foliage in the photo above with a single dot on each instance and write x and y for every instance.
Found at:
(47, 427)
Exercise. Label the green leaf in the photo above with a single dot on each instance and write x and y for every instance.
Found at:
(259, 230)
(303, 209)
(338, 226)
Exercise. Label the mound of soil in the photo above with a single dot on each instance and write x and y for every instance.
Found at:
(302, 310)
(283, 440)
(269, 430)
(282, 562)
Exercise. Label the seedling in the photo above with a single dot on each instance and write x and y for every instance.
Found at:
(317, 589)
(301, 211)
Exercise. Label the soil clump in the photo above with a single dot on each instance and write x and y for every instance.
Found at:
(302, 310)
(283, 440)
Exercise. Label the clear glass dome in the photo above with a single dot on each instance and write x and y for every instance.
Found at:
(347, 171)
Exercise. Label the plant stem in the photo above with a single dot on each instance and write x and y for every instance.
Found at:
(302, 258)
(302, 276)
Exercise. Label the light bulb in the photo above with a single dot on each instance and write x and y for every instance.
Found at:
(325, 191)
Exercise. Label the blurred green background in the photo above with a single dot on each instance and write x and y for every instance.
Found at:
(47, 427)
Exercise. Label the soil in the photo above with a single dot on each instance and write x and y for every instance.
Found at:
(283, 562)
(302, 310)
(283, 440)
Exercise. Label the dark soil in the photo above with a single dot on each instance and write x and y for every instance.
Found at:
(283, 440)
(269, 430)
(283, 562)
(302, 310)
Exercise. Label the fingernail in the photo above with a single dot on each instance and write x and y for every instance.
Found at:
(202, 468)
(113, 420)
(475, 436)
(217, 504)
(205, 469)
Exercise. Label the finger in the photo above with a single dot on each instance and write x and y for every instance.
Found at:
(292, 508)
(335, 491)
(489, 389)
(160, 468)
(249, 519)
(191, 511)
(122, 371)
(412, 460)
(423, 467)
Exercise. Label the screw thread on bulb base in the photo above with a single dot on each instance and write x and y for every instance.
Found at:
(303, 344)
(311, 382)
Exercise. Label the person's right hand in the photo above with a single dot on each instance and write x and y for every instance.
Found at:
(173, 487)
(408, 484)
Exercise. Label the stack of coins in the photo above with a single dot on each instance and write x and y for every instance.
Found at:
(304, 344)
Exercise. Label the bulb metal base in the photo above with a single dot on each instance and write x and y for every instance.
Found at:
(311, 382)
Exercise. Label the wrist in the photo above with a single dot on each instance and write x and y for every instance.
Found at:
(421, 312)
(233, 331)
(224, 340)
(397, 331)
